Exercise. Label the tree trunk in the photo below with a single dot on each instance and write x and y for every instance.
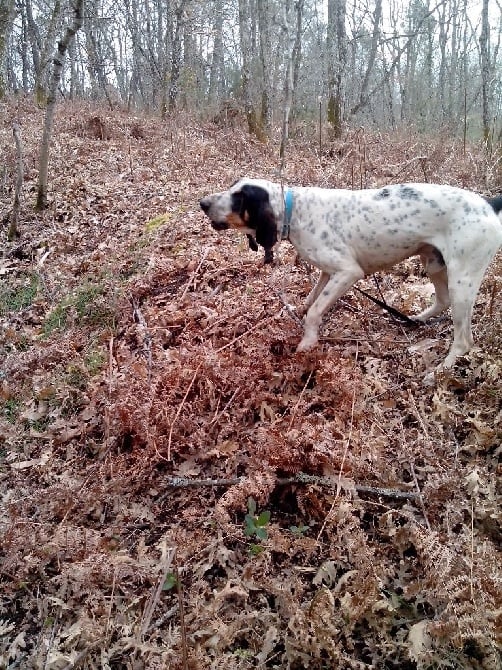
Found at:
(216, 73)
(265, 59)
(58, 62)
(176, 59)
(484, 48)
(336, 44)
(245, 44)
(7, 10)
(41, 49)
(377, 17)
(291, 39)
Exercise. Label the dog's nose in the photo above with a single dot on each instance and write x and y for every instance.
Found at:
(205, 204)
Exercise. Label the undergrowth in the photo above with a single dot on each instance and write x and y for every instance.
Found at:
(180, 488)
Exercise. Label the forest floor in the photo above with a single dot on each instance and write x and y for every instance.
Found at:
(179, 488)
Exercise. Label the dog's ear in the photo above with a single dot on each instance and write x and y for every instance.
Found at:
(261, 216)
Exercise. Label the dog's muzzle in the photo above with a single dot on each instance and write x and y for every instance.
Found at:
(205, 205)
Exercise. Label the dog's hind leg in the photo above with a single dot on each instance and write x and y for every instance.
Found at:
(337, 284)
(463, 290)
(435, 268)
(442, 295)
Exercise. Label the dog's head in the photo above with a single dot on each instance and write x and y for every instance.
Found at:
(245, 207)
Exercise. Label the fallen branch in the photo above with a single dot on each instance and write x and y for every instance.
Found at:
(16, 207)
(300, 478)
(147, 338)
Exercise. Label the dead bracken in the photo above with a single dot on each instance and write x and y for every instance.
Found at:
(341, 514)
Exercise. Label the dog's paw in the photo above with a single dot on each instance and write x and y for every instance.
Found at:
(430, 379)
(305, 345)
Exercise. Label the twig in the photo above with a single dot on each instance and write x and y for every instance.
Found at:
(347, 444)
(293, 413)
(218, 414)
(184, 645)
(140, 319)
(165, 617)
(155, 595)
(300, 478)
(178, 412)
(288, 307)
(194, 274)
(419, 495)
(249, 330)
(16, 206)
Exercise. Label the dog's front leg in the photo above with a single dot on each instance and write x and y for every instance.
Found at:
(330, 291)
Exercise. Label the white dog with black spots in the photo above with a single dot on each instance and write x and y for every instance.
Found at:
(351, 234)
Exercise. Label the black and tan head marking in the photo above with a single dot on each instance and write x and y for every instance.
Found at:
(245, 207)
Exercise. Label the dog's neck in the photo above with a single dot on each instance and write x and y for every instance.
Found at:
(288, 213)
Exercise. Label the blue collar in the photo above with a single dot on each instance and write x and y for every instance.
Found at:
(288, 213)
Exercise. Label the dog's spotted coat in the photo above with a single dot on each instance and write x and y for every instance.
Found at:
(351, 234)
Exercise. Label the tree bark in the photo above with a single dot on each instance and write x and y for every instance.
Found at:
(216, 74)
(484, 48)
(291, 41)
(245, 44)
(58, 62)
(7, 10)
(337, 58)
(265, 59)
(13, 225)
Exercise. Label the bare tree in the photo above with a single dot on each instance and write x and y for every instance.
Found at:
(291, 34)
(176, 56)
(58, 62)
(245, 35)
(41, 46)
(431, 63)
(7, 9)
(217, 72)
(336, 48)
(484, 48)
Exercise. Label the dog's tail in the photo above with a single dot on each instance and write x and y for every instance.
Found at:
(496, 204)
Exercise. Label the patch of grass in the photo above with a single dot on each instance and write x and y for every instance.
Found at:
(10, 409)
(94, 361)
(16, 298)
(78, 374)
(87, 305)
(56, 320)
(157, 222)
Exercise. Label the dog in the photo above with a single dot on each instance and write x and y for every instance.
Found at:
(351, 234)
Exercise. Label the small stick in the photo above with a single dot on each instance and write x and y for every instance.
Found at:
(184, 645)
(139, 318)
(194, 274)
(419, 495)
(218, 414)
(155, 595)
(178, 412)
(293, 414)
(347, 444)
(288, 307)
(13, 229)
(300, 478)
(250, 330)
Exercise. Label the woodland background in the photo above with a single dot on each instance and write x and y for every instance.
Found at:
(179, 488)
(432, 64)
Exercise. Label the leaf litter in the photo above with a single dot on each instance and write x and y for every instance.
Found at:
(139, 346)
